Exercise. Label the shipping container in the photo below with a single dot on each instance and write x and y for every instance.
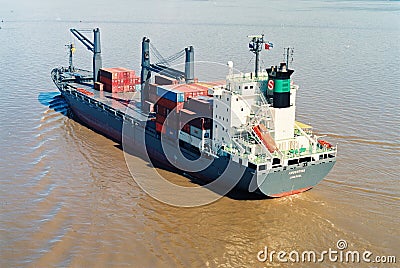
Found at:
(170, 94)
(110, 73)
(160, 128)
(185, 116)
(164, 80)
(115, 89)
(117, 73)
(202, 105)
(98, 86)
(189, 90)
(161, 110)
(115, 82)
(148, 106)
(136, 80)
(170, 104)
(108, 81)
(128, 72)
(118, 77)
(130, 88)
(160, 118)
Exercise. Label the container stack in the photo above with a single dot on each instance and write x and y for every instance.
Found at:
(194, 126)
(168, 101)
(171, 98)
(117, 80)
(199, 108)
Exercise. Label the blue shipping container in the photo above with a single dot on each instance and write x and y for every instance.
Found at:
(172, 95)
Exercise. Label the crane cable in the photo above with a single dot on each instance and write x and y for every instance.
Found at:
(166, 61)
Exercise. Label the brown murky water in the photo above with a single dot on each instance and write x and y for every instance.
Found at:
(67, 198)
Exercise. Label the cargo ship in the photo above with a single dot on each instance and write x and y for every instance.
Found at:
(243, 127)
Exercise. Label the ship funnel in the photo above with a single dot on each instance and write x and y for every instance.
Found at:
(189, 65)
(97, 61)
(279, 85)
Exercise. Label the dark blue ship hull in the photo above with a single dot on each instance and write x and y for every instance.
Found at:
(140, 138)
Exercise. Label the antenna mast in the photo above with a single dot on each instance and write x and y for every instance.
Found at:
(288, 52)
(255, 46)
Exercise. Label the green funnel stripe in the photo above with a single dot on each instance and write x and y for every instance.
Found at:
(282, 86)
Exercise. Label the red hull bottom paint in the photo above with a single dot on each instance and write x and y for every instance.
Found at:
(291, 192)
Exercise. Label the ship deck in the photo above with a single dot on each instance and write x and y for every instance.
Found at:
(123, 103)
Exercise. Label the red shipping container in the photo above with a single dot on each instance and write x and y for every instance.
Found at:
(108, 73)
(161, 110)
(126, 72)
(115, 89)
(117, 73)
(130, 88)
(136, 80)
(191, 90)
(160, 128)
(160, 118)
(107, 88)
(170, 104)
(110, 82)
(98, 86)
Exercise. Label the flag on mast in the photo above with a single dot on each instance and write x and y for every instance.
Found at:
(268, 45)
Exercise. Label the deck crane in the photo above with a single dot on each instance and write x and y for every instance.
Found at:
(148, 67)
(94, 47)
